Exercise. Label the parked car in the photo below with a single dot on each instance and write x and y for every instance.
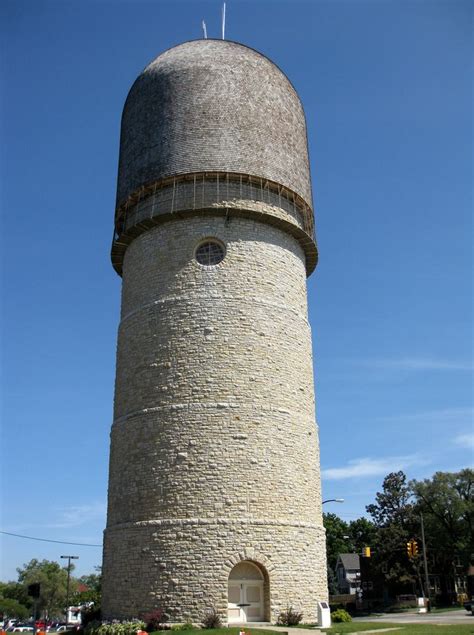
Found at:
(10, 623)
(55, 626)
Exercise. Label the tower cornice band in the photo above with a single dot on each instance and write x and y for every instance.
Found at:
(215, 193)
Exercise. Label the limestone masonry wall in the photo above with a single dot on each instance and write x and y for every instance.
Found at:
(214, 445)
(184, 567)
(214, 421)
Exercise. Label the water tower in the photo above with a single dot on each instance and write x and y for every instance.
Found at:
(214, 487)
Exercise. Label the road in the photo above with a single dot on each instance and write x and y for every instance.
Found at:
(450, 617)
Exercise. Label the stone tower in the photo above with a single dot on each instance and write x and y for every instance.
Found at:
(214, 487)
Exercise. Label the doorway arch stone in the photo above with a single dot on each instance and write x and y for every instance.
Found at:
(248, 590)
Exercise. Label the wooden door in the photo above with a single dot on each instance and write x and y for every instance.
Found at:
(253, 600)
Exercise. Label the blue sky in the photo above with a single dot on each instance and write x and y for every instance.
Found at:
(387, 90)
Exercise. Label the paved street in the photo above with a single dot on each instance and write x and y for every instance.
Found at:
(450, 617)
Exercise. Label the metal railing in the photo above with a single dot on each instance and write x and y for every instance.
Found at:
(206, 190)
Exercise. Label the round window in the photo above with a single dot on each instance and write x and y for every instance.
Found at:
(210, 252)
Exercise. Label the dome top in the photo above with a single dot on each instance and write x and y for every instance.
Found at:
(213, 106)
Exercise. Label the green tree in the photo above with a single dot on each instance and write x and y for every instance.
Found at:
(363, 533)
(16, 591)
(393, 504)
(89, 589)
(394, 519)
(53, 580)
(332, 582)
(337, 541)
(12, 608)
(336, 538)
(447, 504)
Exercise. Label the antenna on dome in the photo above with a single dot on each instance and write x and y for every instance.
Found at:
(223, 21)
(204, 30)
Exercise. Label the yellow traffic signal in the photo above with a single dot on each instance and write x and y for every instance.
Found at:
(412, 548)
(366, 552)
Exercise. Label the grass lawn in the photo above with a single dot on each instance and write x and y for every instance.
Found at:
(350, 627)
(234, 630)
(403, 629)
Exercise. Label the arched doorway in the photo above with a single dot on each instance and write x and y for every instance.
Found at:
(246, 598)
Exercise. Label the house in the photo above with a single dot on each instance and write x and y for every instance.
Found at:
(348, 572)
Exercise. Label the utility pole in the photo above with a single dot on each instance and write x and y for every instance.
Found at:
(68, 558)
(34, 592)
(425, 562)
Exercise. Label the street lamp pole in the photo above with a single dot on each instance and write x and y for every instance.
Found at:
(425, 563)
(333, 500)
(68, 558)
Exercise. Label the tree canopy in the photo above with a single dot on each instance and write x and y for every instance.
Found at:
(53, 582)
(13, 608)
(15, 601)
(446, 502)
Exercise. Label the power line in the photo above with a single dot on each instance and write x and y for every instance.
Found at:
(61, 542)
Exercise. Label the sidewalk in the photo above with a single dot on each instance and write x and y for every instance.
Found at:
(315, 631)
(289, 629)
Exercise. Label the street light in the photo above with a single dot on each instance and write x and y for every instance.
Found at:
(333, 500)
(68, 558)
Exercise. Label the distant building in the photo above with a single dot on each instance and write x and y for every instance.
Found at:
(348, 572)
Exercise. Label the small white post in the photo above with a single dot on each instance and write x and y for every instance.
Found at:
(204, 29)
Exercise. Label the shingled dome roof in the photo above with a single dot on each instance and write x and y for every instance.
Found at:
(217, 106)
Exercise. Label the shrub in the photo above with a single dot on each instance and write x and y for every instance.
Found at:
(154, 620)
(211, 619)
(92, 627)
(182, 627)
(341, 616)
(290, 617)
(90, 615)
(115, 628)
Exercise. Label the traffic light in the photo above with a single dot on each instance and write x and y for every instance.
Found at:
(366, 552)
(412, 548)
(34, 590)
